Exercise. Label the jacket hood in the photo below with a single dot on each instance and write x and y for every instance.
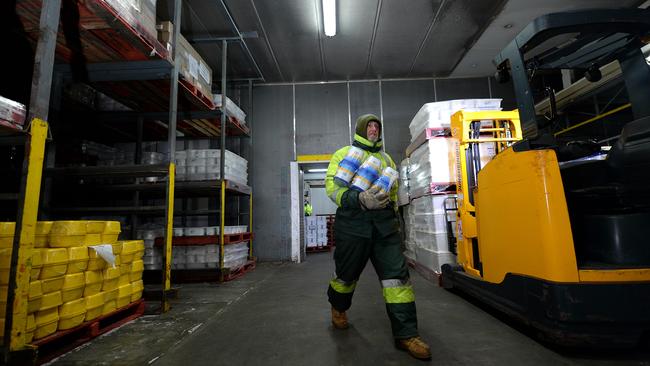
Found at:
(362, 125)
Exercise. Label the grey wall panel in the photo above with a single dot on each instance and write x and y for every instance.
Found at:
(506, 92)
(463, 88)
(402, 100)
(272, 151)
(321, 118)
(364, 99)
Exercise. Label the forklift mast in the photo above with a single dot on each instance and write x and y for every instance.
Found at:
(583, 41)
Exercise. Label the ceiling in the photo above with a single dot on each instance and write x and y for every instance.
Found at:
(375, 38)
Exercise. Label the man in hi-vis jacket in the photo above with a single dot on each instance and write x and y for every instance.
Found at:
(366, 227)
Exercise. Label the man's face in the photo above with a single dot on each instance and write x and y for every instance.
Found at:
(373, 131)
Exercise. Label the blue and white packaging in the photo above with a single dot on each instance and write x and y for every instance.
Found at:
(368, 173)
(385, 182)
(348, 166)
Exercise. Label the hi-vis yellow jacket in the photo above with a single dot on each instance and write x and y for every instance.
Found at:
(349, 216)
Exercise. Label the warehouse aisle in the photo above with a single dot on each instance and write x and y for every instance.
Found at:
(279, 315)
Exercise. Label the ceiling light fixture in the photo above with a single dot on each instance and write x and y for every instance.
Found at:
(329, 17)
(316, 170)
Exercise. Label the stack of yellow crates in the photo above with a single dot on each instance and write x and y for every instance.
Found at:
(69, 282)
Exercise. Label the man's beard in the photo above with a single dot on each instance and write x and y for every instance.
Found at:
(373, 139)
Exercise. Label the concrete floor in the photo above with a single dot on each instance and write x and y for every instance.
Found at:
(278, 315)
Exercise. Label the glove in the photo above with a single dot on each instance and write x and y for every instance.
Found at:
(372, 199)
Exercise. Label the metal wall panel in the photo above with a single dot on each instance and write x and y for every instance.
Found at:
(402, 100)
(272, 151)
(364, 99)
(292, 29)
(458, 26)
(466, 88)
(321, 118)
(402, 27)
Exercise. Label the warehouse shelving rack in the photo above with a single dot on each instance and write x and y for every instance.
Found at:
(134, 62)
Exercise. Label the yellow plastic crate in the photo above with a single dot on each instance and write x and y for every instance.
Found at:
(117, 248)
(125, 279)
(118, 261)
(137, 267)
(111, 232)
(55, 262)
(94, 306)
(51, 300)
(3, 300)
(5, 264)
(66, 234)
(125, 269)
(37, 264)
(110, 295)
(139, 253)
(78, 261)
(111, 279)
(94, 281)
(72, 313)
(109, 307)
(35, 296)
(124, 295)
(7, 230)
(73, 287)
(31, 327)
(42, 237)
(136, 290)
(52, 284)
(46, 322)
(95, 262)
(130, 248)
(94, 231)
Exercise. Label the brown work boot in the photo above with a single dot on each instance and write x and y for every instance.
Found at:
(415, 346)
(339, 319)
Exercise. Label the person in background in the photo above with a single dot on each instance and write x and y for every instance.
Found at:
(366, 227)
(308, 208)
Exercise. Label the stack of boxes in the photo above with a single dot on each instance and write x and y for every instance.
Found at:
(139, 14)
(232, 109)
(427, 230)
(315, 231)
(12, 114)
(195, 256)
(205, 164)
(192, 67)
(69, 282)
(431, 174)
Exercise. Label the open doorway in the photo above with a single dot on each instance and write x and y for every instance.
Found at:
(311, 231)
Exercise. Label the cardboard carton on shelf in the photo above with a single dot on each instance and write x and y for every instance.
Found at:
(193, 67)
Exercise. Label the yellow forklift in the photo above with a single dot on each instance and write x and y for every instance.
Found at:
(555, 232)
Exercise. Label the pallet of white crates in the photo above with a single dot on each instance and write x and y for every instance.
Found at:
(430, 233)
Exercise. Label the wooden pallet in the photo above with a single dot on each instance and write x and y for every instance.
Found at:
(231, 274)
(63, 341)
(207, 239)
(105, 35)
(321, 249)
(427, 273)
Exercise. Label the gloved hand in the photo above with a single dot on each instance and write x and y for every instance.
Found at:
(372, 199)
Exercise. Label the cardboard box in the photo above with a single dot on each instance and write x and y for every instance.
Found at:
(192, 67)
(12, 114)
(141, 14)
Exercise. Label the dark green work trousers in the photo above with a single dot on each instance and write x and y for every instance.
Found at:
(352, 254)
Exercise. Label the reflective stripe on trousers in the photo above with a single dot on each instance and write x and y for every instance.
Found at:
(397, 291)
(343, 287)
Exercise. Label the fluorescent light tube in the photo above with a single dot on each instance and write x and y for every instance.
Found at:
(316, 170)
(329, 17)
